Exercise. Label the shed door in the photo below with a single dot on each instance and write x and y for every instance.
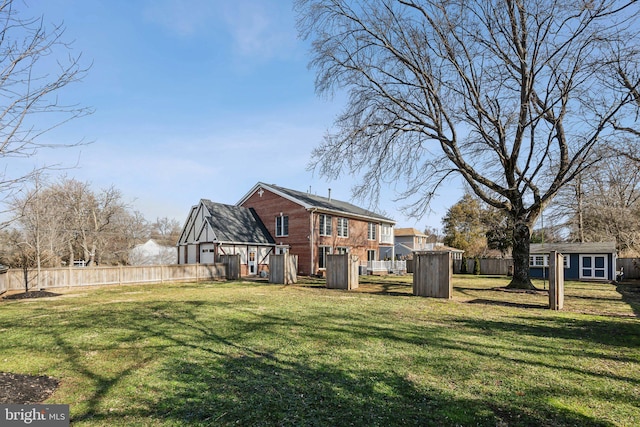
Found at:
(593, 267)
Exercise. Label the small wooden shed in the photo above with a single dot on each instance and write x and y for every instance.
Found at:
(582, 261)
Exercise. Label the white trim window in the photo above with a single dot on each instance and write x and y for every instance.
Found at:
(325, 224)
(372, 229)
(386, 233)
(543, 261)
(282, 226)
(343, 227)
(323, 251)
(538, 261)
(371, 255)
(341, 250)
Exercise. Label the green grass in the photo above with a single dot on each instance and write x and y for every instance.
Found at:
(258, 354)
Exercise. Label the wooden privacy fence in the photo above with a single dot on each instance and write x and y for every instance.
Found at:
(116, 275)
(488, 266)
(3, 281)
(631, 267)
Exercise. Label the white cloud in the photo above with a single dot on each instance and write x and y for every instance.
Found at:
(182, 17)
(258, 29)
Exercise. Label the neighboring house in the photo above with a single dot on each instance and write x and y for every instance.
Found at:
(582, 261)
(151, 253)
(214, 229)
(409, 240)
(312, 226)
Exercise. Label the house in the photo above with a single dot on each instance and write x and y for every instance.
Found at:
(214, 229)
(409, 240)
(582, 261)
(312, 226)
(152, 253)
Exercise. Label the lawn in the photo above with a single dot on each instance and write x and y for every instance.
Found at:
(247, 353)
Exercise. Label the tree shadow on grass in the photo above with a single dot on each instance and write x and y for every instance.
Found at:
(630, 291)
(217, 378)
(507, 304)
(254, 389)
(397, 289)
(212, 374)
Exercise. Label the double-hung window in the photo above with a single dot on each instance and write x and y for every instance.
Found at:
(371, 231)
(325, 225)
(343, 227)
(282, 226)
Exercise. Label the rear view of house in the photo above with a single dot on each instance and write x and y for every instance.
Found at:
(272, 219)
(312, 226)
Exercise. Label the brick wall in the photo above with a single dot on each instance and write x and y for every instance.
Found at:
(269, 205)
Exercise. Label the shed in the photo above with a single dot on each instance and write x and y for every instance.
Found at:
(582, 261)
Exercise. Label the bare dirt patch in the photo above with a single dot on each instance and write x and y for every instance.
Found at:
(21, 389)
(31, 294)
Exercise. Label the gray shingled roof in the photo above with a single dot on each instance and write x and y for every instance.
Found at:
(236, 224)
(574, 248)
(328, 204)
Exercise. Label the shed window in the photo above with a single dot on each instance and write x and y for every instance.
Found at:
(543, 261)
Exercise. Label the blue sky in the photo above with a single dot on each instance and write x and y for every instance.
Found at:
(196, 99)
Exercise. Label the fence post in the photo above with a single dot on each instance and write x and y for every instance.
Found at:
(556, 281)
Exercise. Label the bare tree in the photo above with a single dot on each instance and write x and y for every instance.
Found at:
(512, 95)
(166, 231)
(35, 65)
(67, 220)
(603, 205)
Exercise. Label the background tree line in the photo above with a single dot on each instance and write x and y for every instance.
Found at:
(57, 223)
(601, 205)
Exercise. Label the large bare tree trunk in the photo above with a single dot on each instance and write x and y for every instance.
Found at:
(520, 252)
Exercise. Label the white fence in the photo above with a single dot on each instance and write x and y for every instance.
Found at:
(384, 267)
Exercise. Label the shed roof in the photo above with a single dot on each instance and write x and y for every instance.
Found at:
(236, 224)
(574, 248)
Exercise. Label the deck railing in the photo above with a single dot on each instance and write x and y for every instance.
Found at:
(385, 266)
